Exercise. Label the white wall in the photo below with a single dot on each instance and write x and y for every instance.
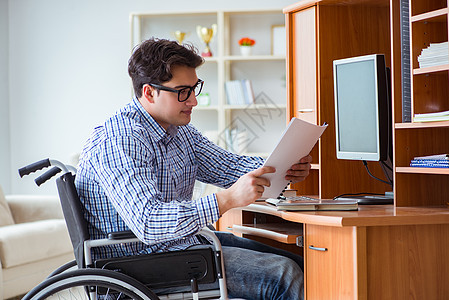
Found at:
(5, 154)
(68, 72)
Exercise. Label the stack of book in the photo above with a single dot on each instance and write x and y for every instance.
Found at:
(239, 92)
(431, 161)
(432, 117)
(436, 54)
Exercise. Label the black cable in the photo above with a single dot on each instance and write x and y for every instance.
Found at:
(383, 165)
(367, 169)
(386, 165)
(350, 195)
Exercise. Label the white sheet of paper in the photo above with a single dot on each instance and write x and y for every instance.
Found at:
(296, 142)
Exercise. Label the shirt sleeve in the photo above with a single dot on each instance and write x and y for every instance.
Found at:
(220, 167)
(126, 171)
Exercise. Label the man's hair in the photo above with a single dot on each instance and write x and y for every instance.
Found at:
(153, 60)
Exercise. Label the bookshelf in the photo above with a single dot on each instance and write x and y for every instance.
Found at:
(263, 121)
(430, 93)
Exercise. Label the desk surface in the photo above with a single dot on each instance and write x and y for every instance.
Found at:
(367, 215)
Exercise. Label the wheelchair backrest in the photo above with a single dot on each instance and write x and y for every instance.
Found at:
(73, 215)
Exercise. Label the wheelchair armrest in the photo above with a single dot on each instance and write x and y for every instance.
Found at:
(121, 235)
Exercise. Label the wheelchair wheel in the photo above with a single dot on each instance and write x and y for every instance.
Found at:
(91, 284)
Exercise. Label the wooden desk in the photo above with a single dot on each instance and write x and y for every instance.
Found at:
(378, 252)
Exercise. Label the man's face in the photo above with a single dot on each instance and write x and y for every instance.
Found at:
(165, 107)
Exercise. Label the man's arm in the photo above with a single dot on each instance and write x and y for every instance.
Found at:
(250, 186)
(127, 176)
(218, 166)
(244, 191)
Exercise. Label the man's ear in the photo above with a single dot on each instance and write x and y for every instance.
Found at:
(148, 92)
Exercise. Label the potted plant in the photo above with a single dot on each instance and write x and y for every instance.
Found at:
(246, 45)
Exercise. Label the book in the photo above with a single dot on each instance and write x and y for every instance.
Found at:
(431, 117)
(433, 157)
(239, 92)
(436, 54)
(296, 142)
(248, 91)
(309, 204)
(234, 92)
(430, 163)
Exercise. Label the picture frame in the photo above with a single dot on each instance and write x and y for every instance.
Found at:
(278, 40)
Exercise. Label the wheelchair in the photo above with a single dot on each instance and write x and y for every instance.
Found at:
(131, 277)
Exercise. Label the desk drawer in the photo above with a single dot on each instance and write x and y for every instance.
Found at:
(329, 256)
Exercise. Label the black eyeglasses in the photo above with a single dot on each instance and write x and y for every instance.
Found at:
(183, 93)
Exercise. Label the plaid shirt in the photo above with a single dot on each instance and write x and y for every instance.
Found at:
(135, 175)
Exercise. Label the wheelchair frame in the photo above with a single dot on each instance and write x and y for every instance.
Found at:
(86, 275)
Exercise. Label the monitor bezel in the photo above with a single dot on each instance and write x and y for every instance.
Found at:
(381, 91)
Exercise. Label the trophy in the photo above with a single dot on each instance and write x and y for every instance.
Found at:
(180, 35)
(206, 35)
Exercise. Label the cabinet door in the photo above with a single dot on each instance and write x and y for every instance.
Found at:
(304, 65)
(330, 262)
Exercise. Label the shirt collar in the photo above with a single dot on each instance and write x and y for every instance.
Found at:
(156, 130)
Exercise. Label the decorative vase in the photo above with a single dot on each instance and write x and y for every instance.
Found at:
(245, 50)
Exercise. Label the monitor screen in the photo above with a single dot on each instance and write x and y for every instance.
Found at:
(361, 108)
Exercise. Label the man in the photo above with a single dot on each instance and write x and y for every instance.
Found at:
(137, 172)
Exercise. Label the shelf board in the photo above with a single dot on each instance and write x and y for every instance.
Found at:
(211, 59)
(253, 57)
(421, 125)
(315, 166)
(205, 107)
(441, 68)
(440, 13)
(282, 232)
(255, 106)
(410, 170)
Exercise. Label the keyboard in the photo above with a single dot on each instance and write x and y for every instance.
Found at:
(298, 198)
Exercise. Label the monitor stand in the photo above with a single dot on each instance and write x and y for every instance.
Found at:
(372, 199)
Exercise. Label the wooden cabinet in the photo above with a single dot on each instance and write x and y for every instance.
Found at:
(396, 251)
(430, 93)
(229, 219)
(377, 252)
(319, 32)
(401, 261)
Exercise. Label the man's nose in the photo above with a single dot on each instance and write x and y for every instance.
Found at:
(192, 101)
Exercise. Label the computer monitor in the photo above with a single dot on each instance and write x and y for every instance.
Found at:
(361, 112)
(362, 109)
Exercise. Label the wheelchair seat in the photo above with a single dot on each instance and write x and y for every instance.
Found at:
(136, 277)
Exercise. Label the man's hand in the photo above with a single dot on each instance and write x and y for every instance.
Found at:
(298, 172)
(244, 191)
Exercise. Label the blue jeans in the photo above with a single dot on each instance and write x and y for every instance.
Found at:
(250, 274)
